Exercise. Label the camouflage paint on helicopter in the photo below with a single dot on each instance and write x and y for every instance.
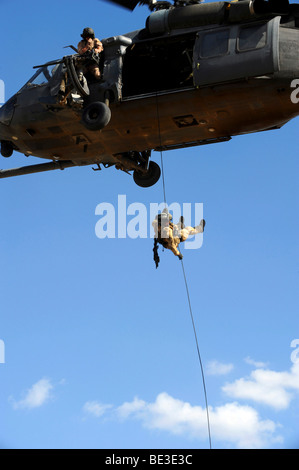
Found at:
(196, 74)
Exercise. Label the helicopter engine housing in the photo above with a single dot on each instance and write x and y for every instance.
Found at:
(190, 16)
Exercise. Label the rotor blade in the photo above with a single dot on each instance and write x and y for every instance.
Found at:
(129, 4)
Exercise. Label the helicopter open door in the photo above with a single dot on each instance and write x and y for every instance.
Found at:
(96, 113)
(236, 52)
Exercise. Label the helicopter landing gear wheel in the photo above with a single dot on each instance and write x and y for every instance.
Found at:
(145, 180)
(6, 149)
(96, 116)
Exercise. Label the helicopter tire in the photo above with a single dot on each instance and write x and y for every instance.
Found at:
(96, 116)
(6, 149)
(145, 180)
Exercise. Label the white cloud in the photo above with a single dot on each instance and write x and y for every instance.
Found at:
(233, 424)
(218, 368)
(131, 408)
(36, 396)
(241, 425)
(95, 408)
(254, 363)
(269, 387)
(166, 413)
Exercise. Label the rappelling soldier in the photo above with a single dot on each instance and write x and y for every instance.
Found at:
(170, 235)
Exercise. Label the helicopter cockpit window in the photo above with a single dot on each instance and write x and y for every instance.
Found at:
(252, 37)
(42, 76)
(214, 44)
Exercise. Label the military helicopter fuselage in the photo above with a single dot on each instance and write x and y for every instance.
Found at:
(194, 75)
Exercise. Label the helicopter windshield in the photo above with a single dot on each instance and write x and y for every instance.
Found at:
(43, 75)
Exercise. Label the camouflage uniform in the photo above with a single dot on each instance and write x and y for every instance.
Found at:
(85, 45)
(90, 48)
(94, 68)
(170, 235)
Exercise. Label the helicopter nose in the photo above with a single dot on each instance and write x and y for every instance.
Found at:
(7, 111)
(6, 115)
(3, 128)
(2, 116)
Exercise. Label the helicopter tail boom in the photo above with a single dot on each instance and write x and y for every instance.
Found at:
(27, 170)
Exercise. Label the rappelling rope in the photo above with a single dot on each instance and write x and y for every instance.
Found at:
(163, 181)
(187, 289)
(199, 356)
(161, 151)
(195, 335)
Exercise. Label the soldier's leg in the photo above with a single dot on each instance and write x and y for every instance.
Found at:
(187, 231)
(173, 246)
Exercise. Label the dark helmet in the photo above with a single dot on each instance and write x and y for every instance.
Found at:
(88, 33)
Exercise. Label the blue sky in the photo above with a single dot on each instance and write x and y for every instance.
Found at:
(99, 346)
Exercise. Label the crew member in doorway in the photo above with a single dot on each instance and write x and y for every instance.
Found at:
(87, 41)
(89, 48)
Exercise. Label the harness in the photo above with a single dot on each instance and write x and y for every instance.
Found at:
(163, 221)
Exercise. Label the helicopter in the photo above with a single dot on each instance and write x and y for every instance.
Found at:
(196, 73)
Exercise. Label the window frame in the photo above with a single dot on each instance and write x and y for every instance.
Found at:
(248, 26)
(226, 29)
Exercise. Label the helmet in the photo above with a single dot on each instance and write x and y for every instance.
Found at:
(166, 214)
(88, 33)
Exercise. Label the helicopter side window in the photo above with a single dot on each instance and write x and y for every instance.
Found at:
(252, 37)
(40, 79)
(214, 44)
